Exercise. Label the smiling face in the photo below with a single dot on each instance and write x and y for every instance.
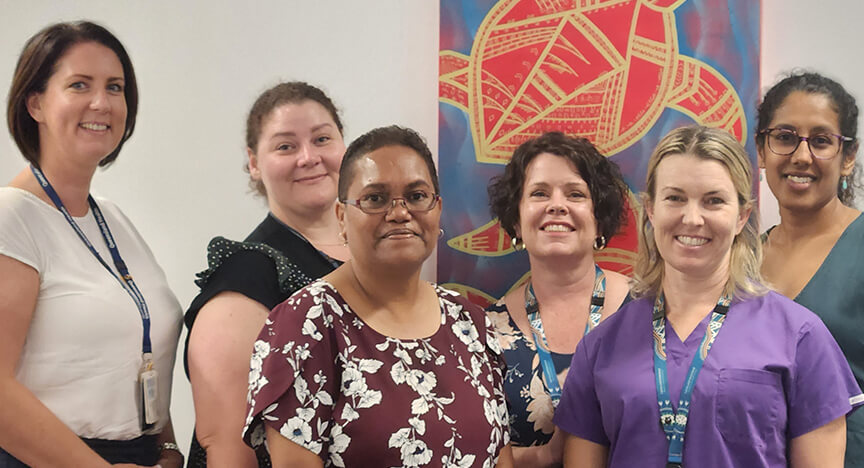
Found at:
(398, 238)
(799, 181)
(556, 214)
(297, 158)
(82, 112)
(695, 214)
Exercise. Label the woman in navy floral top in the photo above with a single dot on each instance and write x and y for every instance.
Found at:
(560, 200)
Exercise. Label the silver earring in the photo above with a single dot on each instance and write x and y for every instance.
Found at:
(441, 233)
(600, 243)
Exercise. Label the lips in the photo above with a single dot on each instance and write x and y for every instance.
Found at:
(800, 178)
(94, 126)
(692, 241)
(556, 227)
(311, 178)
(399, 234)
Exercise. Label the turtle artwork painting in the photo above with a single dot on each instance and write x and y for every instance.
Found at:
(620, 73)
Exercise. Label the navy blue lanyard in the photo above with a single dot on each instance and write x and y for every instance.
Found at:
(547, 367)
(675, 423)
(125, 278)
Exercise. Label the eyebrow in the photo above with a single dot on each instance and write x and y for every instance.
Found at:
(88, 77)
(676, 189)
(815, 130)
(294, 134)
(383, 186)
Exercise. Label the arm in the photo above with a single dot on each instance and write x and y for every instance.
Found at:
(220, 346)
(820, 448)
(29, 430)
(505, 457)
(168, 458)
(539, 456)
(580, 453)
(286, 454)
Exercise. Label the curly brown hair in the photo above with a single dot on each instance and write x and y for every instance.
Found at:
(608, 190)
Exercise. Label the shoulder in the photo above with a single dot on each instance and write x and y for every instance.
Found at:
(499, 315)
(316, 300)
(630, 320)
(17, 206)
(775, 308)
(617, 289)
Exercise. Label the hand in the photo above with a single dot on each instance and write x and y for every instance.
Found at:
(170, 459)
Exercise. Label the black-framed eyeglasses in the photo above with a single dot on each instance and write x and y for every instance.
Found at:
(785, 141)
(376, 203)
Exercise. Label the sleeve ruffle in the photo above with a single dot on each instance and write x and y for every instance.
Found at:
(290, 276)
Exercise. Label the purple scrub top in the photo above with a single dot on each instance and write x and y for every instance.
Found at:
(773, 373)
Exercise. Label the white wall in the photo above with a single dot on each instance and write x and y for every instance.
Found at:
(201, 64)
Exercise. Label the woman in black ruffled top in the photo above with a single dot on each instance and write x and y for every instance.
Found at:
(294, 143)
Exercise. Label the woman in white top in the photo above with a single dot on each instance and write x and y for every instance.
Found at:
(88, 318)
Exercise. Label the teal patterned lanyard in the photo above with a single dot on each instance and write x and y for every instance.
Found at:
(675, 423)
(547, 367)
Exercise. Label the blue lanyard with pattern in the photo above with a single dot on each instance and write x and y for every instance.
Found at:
(125, 278)
(547, 367)
(675, 423)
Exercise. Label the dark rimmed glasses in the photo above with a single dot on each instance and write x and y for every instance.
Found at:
(376, 203)
(785, 141)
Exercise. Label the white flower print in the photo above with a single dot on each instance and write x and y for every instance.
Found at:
(260, 351)
(415, 453)
(338, 444)
(422, 382)
(297, 430)
(466, 331)
(353, 382)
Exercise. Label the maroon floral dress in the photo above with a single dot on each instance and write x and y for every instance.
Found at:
(330, 383)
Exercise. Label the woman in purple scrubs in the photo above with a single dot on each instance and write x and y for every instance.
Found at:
(706, 368)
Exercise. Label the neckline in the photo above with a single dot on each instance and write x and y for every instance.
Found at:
(348, 308)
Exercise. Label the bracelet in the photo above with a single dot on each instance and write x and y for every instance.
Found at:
(170, 446)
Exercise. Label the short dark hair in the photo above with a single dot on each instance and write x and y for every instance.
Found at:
(608, 190)
(37, 63)
(814, 83)
(372, 140)
(291, 92)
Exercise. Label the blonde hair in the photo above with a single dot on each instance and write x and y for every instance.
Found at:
(746, 257)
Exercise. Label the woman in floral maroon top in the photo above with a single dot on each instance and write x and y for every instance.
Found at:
(371, 366)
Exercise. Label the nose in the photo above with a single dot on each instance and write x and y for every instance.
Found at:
(556, 204)
(308, 156)
(398, 210)
(100, 101)
(693, 215)
(802, 154)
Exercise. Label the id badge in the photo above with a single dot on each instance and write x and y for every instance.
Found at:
(149, 394)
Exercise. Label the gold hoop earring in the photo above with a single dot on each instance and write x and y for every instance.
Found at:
(600, 243)
(517, 244)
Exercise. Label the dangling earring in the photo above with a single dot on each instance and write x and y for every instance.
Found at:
(517, 244)
(844, 184)
(600, 243)
(343, 238)
(760, 175)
